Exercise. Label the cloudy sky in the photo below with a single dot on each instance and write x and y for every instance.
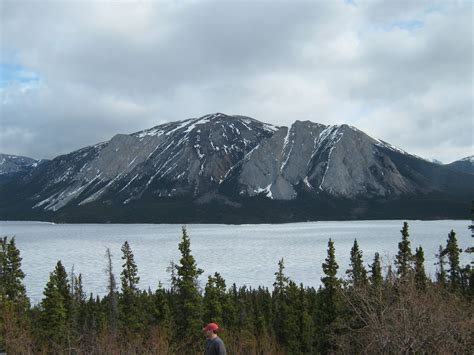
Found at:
(75, 73)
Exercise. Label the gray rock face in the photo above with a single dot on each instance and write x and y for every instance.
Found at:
(281, 162)
(188, 157)
(198, 159)
(355, 166)
(339, 160)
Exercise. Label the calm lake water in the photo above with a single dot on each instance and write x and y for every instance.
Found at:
(244, 254)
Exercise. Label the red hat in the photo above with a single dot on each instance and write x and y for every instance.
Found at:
(210, 326)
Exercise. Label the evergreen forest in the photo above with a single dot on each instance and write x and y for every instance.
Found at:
(374, 308)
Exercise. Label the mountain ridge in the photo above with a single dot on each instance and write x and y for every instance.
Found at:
(234, 162)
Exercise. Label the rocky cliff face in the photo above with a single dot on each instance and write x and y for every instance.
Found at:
(339, 160)
(228, 160)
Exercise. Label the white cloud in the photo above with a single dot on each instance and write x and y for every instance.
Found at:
(402, 71)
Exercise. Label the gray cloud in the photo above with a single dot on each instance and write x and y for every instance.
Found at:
(401, 71)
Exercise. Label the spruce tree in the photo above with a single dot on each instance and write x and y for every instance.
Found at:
(281, 281)
(231, 309)
(112, 298)
(78, 299)
(129, 310)
(376, 277)
(214, 297)
(189, 301)
(11, 275)
(404, 258)
(62, 283)
(14, 303)
(129, 275)
(452, 251)
(357, 273)
(53, 323)
(441, 276)
(281, 312)
(420, 274)
(330, 303)
(305, 324)
(161, 309)
(330, 266)
(291, 324)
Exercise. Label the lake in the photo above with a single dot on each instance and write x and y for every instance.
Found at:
(244, 254)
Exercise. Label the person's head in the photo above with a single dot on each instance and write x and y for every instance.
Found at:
(211, 330)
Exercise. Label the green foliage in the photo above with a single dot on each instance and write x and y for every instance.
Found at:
(189, 310)
(404, 258)
(14, 302)
(54, 310)
(281, 281)
(129, 275)
(130, 310)
(441, 276)
(160, 309)
(376, 277)
(452, 251)
(11, 275)
(284, 320)
(112, 297)
(357, 273)
(344, 317)
(329, 307)
(330, 266)
(420, 274)
(214, 299)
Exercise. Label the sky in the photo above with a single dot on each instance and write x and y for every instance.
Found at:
(75, 73)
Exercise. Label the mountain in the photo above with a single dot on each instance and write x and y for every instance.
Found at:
(235, 169)
(13, 166)
(465, 165)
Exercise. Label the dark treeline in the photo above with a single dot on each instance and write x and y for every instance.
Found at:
(369, 311)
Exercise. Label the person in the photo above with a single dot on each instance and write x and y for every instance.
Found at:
(214, 344)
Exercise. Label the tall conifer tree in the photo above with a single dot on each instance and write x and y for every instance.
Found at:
(281, 311)
(189, 300)
(112, 299)
(404, 258)
(14, 302)
(129, 275)
(441, 276)
(129, 310)
(214, 298)
(420, 274)
(330, 304)
(376, 277)
(452, 251)
(54, 317)
(357, 273)
(11, 275)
